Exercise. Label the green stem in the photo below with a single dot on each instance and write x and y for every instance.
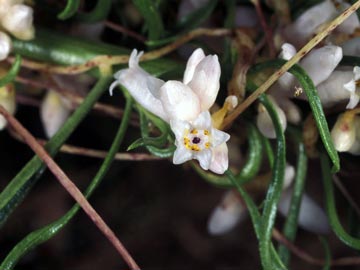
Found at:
(331, 208)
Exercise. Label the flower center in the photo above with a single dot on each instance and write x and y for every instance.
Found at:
(197, 140)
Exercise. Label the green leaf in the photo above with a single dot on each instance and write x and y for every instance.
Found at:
(52, 47)
(40, 236)
(100, 12)
(70, 9)
(314, 102)
(327, 253)
(290, 227)
(13, 71)
(255, 217)
(331, 208)
(15, 192)
(274, 191)
(152, 18)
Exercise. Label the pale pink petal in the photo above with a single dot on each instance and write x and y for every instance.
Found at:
(179, 101)
(204, 158)
(181, 155)
(203, 121)
(219, 137)
(191, 64)
(179, 128)
(206, 81)
(136, 81)
(220, 160)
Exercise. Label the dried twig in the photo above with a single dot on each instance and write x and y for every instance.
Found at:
(70, 187)
(309, 258)
(125, 31)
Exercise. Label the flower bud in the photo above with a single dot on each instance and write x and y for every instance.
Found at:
(5, 46)
(227, 214)
(54, 113)
(264, 122)
(19, 21)
(343, 133)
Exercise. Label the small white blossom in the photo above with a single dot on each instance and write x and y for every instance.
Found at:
(54, 112)
(264, 122)
(352, 87)
(306, 25)
(185, 105)
(19, 21)
(196, 140)
(343, 133)
(5, 45)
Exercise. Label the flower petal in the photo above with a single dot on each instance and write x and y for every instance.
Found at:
(204, 157)
(219, 137)
(5, 45)
(179, 101)
(220, 160)
(181, 155)
(191, 64)
(179, 127)
(320, 63)
(205, 82)
(203, 121)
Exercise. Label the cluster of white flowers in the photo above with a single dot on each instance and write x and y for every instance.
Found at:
(17, 19)
(311, 21)
(185, 106)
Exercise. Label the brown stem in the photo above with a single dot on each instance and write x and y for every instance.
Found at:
(267, 30)
(76, 99)
(70, 187)
(125, 31)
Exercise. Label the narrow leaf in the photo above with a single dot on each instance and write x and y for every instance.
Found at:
(13, 71)
(70, 9)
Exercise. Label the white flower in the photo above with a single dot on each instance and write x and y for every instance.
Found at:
(184, 105)
(197, 140)
(352, 86)
(54, 112)
(19, 21)
(5, 45)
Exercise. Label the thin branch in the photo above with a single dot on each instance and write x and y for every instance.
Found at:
(346, 261)
(109, 60)
(70, 187)
(26, 100)
(346, 194)
(76, 99)
(276, 75)
(266, 28)
(125, 31)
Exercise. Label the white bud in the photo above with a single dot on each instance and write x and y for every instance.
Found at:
(232, 101)
(289, 176)
(19, 21)
(311, 216)
(227, 214)
(5, 46)
(264, 122)
(291, 110)
(7, 100)
(320, 63)
(332, 90)
(343, 133)
(306, 25)
(351, 23)
(54, 113)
